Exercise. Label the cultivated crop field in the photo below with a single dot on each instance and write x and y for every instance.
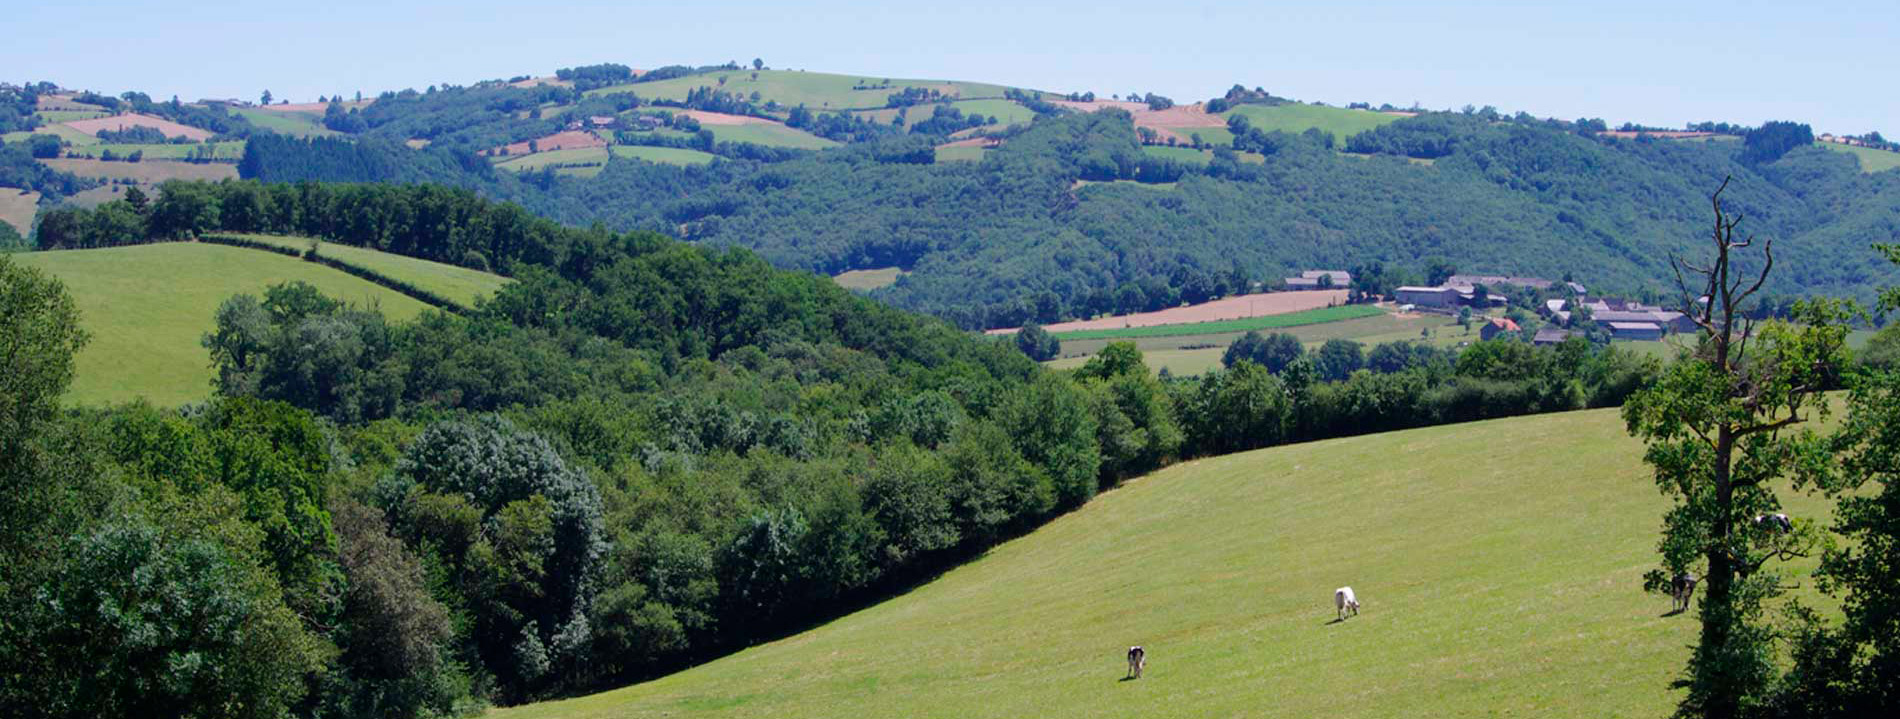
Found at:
(1296, 117)
(461, 284)
(17, 208)
(1499, 564)
(815, 90)
(147, 306)
(147, 171)
(664, 155)
(130, 119)
(1243, 324)
(1185, 355)
(1254, 305)
(232, 151)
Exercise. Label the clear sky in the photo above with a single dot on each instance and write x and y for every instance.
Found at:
(1829, 63)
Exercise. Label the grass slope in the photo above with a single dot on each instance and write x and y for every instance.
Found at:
(770, 136)
(1290, 319)
(461, 284)
(295, 124)
(169, 151)
(1185, 355)
(17, 208)
(147, 172)
(148, 305)
(1296, 118)
(1871, 160)
(866, 280)
(595, 156)
(664, 155)
(1499, 564)
(816, 90)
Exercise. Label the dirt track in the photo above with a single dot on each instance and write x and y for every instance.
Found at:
(1229, 308)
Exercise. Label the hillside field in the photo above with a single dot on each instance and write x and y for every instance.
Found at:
(461, 284)
(1296, 118)
(1499, 564)
(148, 172)
(1320, 315)
(580, 158)
(1186, 355)
(791, 88)
(295, 124)
(17, 208)
(663, 155)
(770, 135)
(1871, 160)
(147, 306)
(865, 280)
(232, 151)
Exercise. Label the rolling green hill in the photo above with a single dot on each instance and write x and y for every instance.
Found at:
(1297, 117)
(461, 284)
(147, 306)
(1871, 160)
(816, 90)
(1499, 564)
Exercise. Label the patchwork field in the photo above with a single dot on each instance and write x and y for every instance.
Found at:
(64, 133)
(17, 208)
(1227, 308)
(815, 90)
(865, 280)
(1193, 354)
(1295, 117)
(132, 119)
(589, 157)
(1871, 160)
(1321, 315)
(231, 151)
(770, 135)
(147, 306)
(663, 155)
(564, 140)
(460, 284)
(295, 124)
(1499, 565)
(146, 172)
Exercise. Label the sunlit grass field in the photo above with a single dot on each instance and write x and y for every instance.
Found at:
(791, 88)
(1296, 118)
(663, 155)
(1499, 564)
(1871, 160)
(147, 306)
(461, 284)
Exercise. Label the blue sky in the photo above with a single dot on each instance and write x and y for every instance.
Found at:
(1831, 64)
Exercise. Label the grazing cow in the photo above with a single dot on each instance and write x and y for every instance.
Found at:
(1681, 590)
(1774, 522)
(1137, 660)
(1343, 599)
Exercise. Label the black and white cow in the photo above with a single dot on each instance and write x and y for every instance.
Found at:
(1137, 660)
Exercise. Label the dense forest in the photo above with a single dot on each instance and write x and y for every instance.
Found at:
(642, 454)
(1056, 223)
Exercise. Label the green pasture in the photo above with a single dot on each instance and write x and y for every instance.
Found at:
(1295, 117)
(1193, 354)
(1290, 319)
(1499, 565)
(769, 135)
(147, 306)
(1871, 160)
(460, 284)
(1187, 155)
(233, 150)
(52, 117)
(865, 280)
(963, 153)
(574, 156)
(1006, 112)
(816, 90)
(294, 124)
(64, 133)
(662, 155)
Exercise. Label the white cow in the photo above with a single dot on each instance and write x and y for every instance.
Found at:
(1343, 599)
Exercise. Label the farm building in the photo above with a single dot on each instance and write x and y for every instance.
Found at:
(1550, 336)
(1444, 297)
(1636, 331)
(1320, 279)
(1552, 307)
(1535, 283)
(1667, 319)
(1497, 326)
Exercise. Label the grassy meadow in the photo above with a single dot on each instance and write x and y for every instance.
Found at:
(63, 132)
(460, 284)
(961, 153)
(1186, 355)
(232, 151)
(791, 88)
(663, 155)
(864, 280)
(1295, 117)
(1499, 564)
(595, 156)
(1290, 319)
(295, 124)
(770, 136)
(147, 306)
(146, 172)
(1871, 160)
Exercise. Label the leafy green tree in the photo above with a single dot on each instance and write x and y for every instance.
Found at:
(39, 327)
(1339, 358)
(1038, 343)
(1720, 429)
(1274, 351)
